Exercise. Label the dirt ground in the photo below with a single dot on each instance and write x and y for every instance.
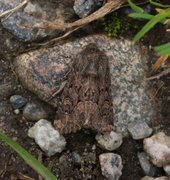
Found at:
(13, 167)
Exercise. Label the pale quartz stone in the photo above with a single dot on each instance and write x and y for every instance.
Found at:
(49, 139)
(158, 149)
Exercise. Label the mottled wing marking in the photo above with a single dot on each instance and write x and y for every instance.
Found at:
(86, 98)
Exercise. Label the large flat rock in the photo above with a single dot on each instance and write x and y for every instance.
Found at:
(43, 72)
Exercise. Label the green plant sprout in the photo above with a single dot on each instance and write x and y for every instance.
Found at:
(162, 17)
(29, 159)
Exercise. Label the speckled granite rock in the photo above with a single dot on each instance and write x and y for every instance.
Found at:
(26, 22)
(85, 7)
(44, 70)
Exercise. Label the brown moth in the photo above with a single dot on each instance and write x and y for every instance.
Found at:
(86, 100)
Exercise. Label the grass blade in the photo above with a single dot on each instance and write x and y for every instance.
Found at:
(30, 160)
(158, 4)
(135, 7)
(163, 49)
(156, 19)
(141, 16)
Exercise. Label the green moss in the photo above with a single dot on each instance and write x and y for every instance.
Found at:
(116, 25)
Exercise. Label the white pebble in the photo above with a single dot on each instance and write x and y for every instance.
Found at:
(16, 111)
(109, 141)
(158, 148)
(49, 139)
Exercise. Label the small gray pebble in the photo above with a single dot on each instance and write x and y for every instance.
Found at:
(109, 141)
(34, 112)
(139, 130)
(76, 158)
(111, 165)
(148, 168)
(93, 147)
(18, 101)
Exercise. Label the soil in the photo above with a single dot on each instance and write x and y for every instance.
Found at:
(13, 167)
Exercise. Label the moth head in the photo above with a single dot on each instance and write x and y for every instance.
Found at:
(93, 62)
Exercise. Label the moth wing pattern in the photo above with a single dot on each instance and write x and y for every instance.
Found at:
(86, 99)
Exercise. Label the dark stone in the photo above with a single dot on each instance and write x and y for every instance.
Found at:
(34, 112)
(18, 101)
(85, 7)
(148, 168)
(76, 158)
(28, 23)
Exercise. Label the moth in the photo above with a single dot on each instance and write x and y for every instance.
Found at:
(86, 100)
